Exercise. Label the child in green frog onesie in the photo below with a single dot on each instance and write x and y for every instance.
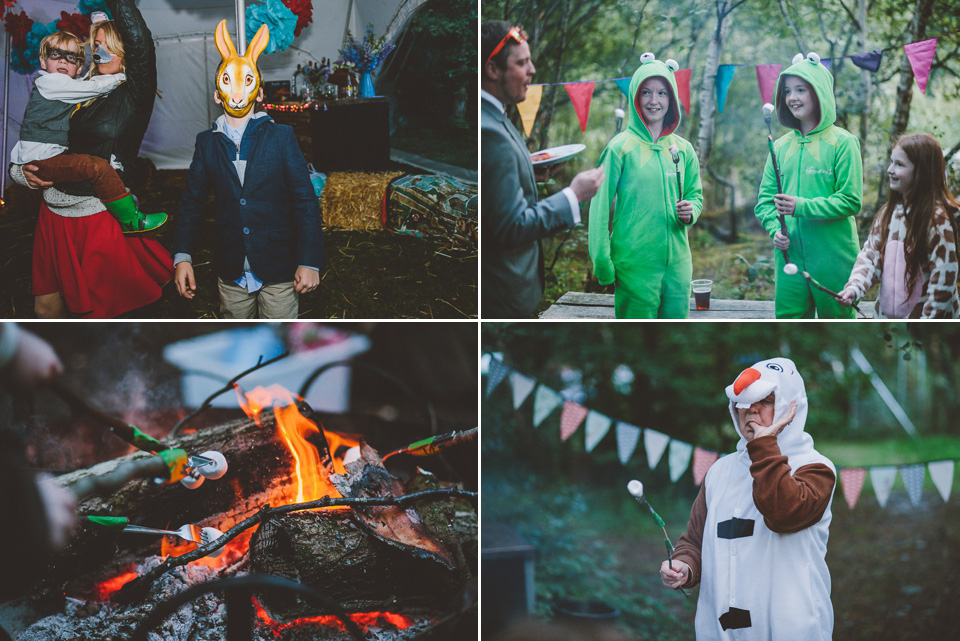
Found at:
(646, 251)
(822, 181)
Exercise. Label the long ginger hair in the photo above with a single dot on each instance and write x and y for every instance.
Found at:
(927, 192)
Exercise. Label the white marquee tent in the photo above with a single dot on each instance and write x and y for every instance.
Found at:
(187, 59)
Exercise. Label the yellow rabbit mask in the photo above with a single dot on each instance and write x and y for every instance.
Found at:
(238, 78)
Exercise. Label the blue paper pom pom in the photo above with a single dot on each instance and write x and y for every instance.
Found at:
(27, 60)
(279, 20)
(86, 7)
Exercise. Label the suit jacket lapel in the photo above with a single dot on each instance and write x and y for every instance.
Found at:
(518, 141)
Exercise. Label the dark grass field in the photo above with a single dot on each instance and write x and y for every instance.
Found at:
(367, 274)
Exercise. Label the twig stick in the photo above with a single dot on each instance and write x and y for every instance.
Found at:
(229, 386)
(136, 588)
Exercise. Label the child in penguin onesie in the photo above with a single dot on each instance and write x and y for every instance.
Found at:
(822, 182)
(757, 536)
(645, 252)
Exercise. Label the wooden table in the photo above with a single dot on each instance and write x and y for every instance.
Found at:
(600, 306)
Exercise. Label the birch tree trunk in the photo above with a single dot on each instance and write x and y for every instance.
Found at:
(865, 76)
(707, 102)
(901, 117)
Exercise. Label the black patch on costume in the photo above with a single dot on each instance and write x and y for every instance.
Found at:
(735, 528)
(734, 619)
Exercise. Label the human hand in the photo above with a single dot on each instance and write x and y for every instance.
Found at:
(676, 577)
(777, 426)
(59, 505)
(31, 178)
(185, 280)
(781, 241)
(35, 361)
(685, 211)
(543, 173)
(586, 184)
(306, 280)
(847, 297)
(785, 205)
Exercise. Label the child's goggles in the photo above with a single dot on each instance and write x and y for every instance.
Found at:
(69, 56)
(516, 34)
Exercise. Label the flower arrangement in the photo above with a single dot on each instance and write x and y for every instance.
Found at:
(366, 55)
(315, 75)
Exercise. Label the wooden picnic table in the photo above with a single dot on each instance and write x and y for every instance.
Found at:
(600, 306)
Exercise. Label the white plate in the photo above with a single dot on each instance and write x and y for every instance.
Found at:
(557, 154)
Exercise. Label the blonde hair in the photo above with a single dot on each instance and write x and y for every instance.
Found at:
(111, 40)
(56, 40)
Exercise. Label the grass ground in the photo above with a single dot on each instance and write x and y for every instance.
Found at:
(892, 567)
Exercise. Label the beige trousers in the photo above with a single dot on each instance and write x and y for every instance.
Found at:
(273, 300)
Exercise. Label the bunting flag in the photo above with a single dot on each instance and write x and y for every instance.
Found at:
(682, 77)
(581, 93)
(825, 62)
(627, 438)
(767, 81)
(498, 371)
(869, 61)
(570, 419)
(942, 474)
(920, 56)
(624, 85)
(882, 478)
(597, 427)
(702, 460)
(522, 386)
(544, 402)
(722, 83)
(679, 458)
(655, 443)
(852, 479)
(913, 480)
(529, 107)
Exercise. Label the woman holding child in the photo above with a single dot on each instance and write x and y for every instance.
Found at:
(82, 262)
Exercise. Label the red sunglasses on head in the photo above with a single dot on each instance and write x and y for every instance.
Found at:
(516, 34)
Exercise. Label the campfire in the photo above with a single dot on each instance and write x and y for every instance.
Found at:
(319, 541)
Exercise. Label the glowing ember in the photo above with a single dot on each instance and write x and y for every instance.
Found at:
(365, 620)
(103, 591)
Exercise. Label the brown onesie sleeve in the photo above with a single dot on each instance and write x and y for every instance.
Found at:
(688, 548)
(788, 503)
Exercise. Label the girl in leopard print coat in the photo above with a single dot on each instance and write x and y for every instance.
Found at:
(912, 246)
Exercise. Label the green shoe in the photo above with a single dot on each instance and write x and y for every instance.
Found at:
(131, 219)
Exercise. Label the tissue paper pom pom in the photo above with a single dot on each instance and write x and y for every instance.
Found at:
(797, 58)
(22, 62)
(814, 58)
(647, 57)
(35, 36)
(672, 64)
(279, 20)
(86, 7)
(77, 24)
(18, 26)
(303, 9)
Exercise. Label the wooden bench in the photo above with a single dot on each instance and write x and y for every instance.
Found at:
(600, 306)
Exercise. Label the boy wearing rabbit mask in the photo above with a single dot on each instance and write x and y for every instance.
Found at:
(270, 246)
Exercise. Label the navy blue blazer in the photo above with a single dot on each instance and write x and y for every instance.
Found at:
(273, 218)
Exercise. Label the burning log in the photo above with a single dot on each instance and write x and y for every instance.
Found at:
(375, 556)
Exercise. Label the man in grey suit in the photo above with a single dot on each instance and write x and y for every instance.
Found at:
(512, 220)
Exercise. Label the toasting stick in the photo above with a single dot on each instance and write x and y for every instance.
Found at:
(813, 283)
(435, 444)
(675, 153)
(635, 488)
(788, 267)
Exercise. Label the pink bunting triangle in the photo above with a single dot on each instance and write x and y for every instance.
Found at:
(570, 419)
(702, 460)
(767, 81)
(920, 55)
(682, 77)
(852, 479)
(581, 93)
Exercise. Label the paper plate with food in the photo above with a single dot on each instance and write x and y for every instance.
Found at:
(556, 154)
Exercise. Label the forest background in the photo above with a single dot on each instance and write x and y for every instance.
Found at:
(597, 40)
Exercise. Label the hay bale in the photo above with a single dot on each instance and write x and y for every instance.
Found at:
(353, 200)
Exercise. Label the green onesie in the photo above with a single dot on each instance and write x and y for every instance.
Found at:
(646, 253)
(823, 170)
